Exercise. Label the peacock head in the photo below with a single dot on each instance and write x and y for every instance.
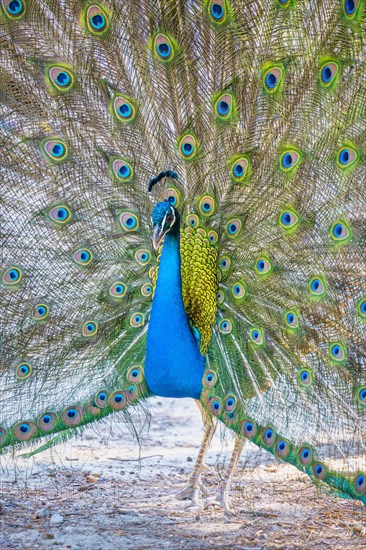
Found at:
(163, 218)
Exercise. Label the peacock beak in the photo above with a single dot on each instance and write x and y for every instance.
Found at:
(158, 234)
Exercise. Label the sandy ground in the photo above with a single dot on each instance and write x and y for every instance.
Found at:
(95, 493)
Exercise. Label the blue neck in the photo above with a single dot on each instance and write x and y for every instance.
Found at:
(174, 367)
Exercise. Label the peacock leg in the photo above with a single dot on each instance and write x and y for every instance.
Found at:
(194, 485)
(222, 499)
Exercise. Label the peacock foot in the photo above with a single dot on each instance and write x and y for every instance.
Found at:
(192, 492)
(220, 501)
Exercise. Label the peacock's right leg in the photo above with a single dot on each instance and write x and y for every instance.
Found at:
(194, 485)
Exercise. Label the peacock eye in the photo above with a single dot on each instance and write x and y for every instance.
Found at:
(361, 395)
(319, 471)
(268, 436)
(220, 296)
(47, 421)
(289, 219)
(217, 11)
(207, 206)
(23, 371)
(164, 48)
(317, 287)
(351, 8)
(192, 220)
(12, 276)
(146, 290)
(272, 79)
(14, 9)
(122, 170)
(249, 429)
(89, 329)
(328, 73)
(338, 352)
(60, 214)
(263, 266)
(142, 256)
(291, 319)
(340, 232)
(72, 416)
(188, 146)
(347, 157)
(289, 160)
(55, 149)
(61, 78)
(233, 228)
(213, 237)
(124, 108)
(225, 326)
(305, 377)
(224, 106)
(128, 221)
(305, 455)
(256, 336)
(230, 403)
(137, 320)
(362, 308)
(282, 448)
(172, 196)
(117, 290)
(96, 20)
(239, 169)
(238, 290)
(83, 256)
(225, 263)
(40, 312)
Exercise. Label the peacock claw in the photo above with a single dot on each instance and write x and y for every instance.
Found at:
(220, 501)
(189, 492)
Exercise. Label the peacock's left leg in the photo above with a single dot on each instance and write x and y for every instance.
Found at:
(222, 499)
(194, 485)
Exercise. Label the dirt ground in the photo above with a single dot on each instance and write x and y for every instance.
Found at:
(95, 493)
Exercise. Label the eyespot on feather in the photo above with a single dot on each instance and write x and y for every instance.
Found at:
(12, 276)
(123, 108)
(122, 170)
(272, 79)
(282, 448)
(249, 429)
(72, 416)
(209, 378)
(61, 79)
(207, 205)
(347, 158)
(360, 483)
(24, 430)
(135, 375)
(2, 435)
(319, 470)
(47, 421)
(60, 214)
(217, 11)
(290, 160)
(233, 228)
(96, 20)
(142, 256)
(89, 329)
(164, 48)
(317, 286)
(230, 403)
(192, 220)
(14, 9)
(214, 404)
(188, 146)
(306, 377)
(24, 371)
(225, 326)
(305, 455)
(101, 399)
(268, 436)
(137, 320)
(118, 400)
(83, 256)
(128, 221)
(55, 149)
(239, 169)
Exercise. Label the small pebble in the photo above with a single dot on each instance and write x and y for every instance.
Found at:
(56, 519)
(43, 513)
(189, 459)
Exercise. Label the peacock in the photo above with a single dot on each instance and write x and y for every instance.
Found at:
(183, 214)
